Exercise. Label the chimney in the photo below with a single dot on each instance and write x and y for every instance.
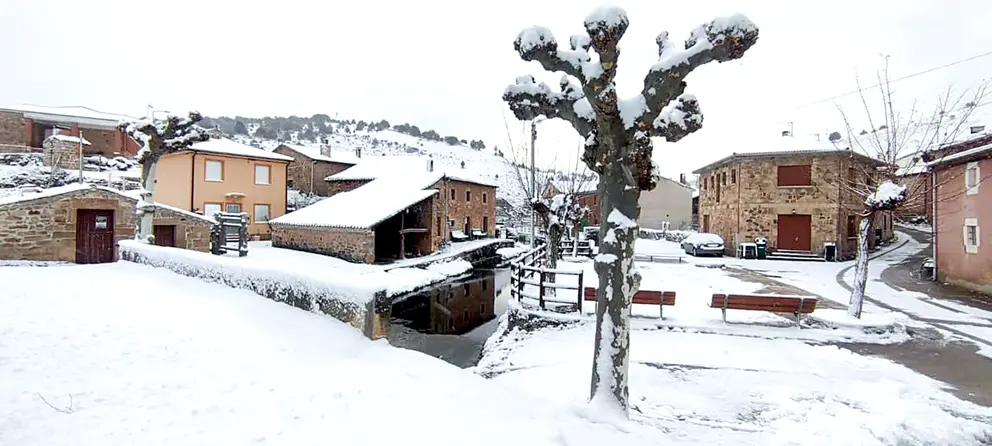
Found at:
(682, 178)
(430, 164)
(325, 150)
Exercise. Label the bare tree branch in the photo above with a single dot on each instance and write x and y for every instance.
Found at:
(67, 410)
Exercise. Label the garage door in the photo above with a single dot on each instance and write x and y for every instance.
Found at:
(794, 232)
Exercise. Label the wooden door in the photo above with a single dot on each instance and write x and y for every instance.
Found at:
(94, 236)
(165, 235)
(706, 223)
(794, 232)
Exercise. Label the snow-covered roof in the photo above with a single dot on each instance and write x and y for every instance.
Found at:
(26, 196)
(963, 155)
(786, 146)
(224, 146)
(338, 155)
(71, 139)
(375, 167)
(364, 207)
(76, 114)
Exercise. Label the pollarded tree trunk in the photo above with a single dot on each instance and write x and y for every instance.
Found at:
(861, 268)
(618, 146)
(145, 209)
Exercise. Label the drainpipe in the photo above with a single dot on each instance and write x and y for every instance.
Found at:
(840, 215)
(933, 221)
(740, 179)
(192, 182)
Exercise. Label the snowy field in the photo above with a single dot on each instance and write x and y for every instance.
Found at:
(147, 357)
(717, 389)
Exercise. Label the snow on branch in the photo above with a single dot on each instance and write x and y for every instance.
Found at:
(678, 119)
(722, 39)
(887, 197)
(528, 100)
(166, 136)
(538, 43)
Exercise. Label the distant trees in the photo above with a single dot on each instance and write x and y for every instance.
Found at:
(240, 128)
(431, 135)
(477, 144)
(451, 140)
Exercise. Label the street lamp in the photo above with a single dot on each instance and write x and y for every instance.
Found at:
(533, 178)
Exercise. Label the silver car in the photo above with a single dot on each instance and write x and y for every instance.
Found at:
(703, 243)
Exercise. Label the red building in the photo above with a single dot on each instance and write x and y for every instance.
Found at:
(25, 127)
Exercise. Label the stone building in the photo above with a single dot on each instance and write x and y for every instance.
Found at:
(387, 208)
(24, 128)
(311, 165)
(62, 151)
(799, 200)
(83, 223)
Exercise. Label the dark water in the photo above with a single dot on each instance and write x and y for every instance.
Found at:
(452, 320)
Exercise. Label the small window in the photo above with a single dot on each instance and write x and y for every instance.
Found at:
(262, 174)
(452, 195)
(468, 196)
(852, 226)
(261, 213)
(485, 197)
(485, 224)
(971, 178)
(467, 289)
(705, 184)
(289, 183)
(233, 208)
(794, 175)
(209, 209)
(438, 231)
(972, 236)
(213, 170)
(733, 176)
(485, 286)
(723, 178)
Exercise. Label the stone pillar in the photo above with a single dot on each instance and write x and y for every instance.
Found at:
(61, 154)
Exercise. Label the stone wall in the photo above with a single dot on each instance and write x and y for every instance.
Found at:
(61, 154)
(45, 228)
(356, 245)
(303, 171)
(480, 206)
(12, 129)
(336, 187)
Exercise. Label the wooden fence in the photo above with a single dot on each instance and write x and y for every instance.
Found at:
(529, 269)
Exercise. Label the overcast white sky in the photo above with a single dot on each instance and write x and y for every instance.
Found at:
(443, 64)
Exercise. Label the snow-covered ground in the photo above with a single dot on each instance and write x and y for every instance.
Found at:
(144, 356)
(715, 389)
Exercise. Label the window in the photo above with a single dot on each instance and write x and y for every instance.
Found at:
(468, 196)
(261, 213)
(452, 195)
(794, 175)
(262, 173)
(972, 236)
(705, 184)
(852, 226)
(289, 183)
(485, 197)
(438, 230)
(723, 178)
(468, 289)
(233, 208)
(485, 286)
(213, 170)
(971, 178)
(733, 176)
(209, 209)
(485, 224)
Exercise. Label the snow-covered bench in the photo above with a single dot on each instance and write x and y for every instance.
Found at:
(643, 297)
(797, 305)
(458, 236)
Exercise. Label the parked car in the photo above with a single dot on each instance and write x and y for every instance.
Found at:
(703, 243)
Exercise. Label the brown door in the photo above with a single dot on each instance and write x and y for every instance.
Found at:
(94, 236)
(706, 223)
(794, 232)
(165, 235)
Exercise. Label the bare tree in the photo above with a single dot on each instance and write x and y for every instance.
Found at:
(159, 138)
(618, 146)
(898, 134)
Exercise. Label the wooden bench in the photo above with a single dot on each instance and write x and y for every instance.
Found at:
(796, 305)
(643, 297)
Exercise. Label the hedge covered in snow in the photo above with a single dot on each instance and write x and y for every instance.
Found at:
(358, 306)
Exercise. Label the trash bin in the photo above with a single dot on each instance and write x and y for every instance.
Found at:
(830, 251)
(747, 251)
(762, 247)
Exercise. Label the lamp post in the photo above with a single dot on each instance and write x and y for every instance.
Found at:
(533, 179)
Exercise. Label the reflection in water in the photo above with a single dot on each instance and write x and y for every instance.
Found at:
(450, 320)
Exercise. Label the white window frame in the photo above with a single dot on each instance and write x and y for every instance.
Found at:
(209, 213)
(268, 215)
(968, 247)
(969, 187)
(268, 174)
(206, 171)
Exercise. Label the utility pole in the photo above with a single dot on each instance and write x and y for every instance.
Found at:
(80, 136)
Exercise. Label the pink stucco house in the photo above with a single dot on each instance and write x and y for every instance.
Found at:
(963, 210)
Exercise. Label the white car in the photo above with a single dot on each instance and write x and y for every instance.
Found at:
(703, 243)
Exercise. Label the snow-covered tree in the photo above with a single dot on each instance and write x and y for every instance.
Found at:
(159, 138)
(898, 134)
(618, 146)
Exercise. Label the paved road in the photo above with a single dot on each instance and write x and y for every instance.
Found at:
(954, 362)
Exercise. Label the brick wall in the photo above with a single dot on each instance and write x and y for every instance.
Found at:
(102, 142)
(12, 131)
(750, 200)
(336, 187)
(302, 170)
(479, 206)
(353, 245)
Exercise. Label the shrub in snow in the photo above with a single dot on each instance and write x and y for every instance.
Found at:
(357, 306)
